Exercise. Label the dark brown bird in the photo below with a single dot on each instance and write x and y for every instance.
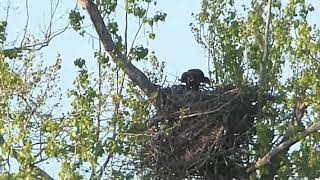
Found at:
(193, 78)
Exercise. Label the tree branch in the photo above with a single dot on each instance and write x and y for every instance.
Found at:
(264, 61)
(137, 76)
(284, 146)
(274, 161)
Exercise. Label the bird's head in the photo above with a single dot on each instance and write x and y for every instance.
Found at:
(206, 80)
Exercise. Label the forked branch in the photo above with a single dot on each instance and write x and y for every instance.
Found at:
(121, 60)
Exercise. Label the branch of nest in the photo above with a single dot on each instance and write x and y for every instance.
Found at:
(181, 113)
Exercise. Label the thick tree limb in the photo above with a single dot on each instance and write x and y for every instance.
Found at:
(293, 128)
(121, 60)
(39, 174)
(284, 146)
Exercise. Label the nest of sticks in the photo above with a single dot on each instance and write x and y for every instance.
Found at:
(201, 134)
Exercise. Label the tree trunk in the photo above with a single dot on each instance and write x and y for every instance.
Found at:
(121, 60)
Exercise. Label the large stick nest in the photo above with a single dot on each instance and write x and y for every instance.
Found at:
(201, 134)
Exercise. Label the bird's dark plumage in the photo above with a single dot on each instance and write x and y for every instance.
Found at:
(193, 78)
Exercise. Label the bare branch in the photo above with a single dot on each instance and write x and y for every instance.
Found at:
(27, 23)
(53, 9)
(126, 35)
(40, 45)
(8, 10)
(48, 34)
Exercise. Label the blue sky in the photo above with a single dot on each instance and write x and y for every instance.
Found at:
(174, 41)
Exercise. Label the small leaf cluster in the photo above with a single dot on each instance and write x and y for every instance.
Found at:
(3, 25)
(108, 6)
(138, 53)
(76, 20)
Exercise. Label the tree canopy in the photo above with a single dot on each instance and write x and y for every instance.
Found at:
(98, 128)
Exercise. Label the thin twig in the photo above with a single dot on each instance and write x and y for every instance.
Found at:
(126, 35)
(140, 26)
(27, 23)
